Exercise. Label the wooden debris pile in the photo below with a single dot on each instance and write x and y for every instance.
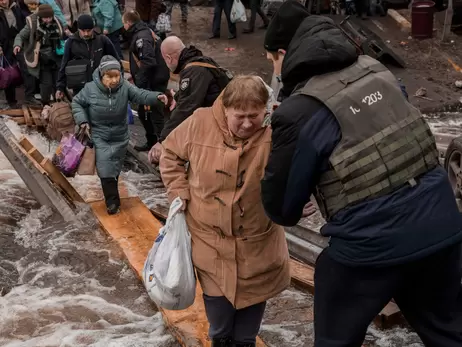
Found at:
(30, 116)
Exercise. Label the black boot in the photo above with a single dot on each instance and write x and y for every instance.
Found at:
(222, 342)
(111, 194)
(113, 209)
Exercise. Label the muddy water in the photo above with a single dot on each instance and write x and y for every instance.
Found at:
(62, 285)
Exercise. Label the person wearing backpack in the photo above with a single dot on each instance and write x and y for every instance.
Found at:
(201, 82)
(109, 19)
(82, 55)
(149, 71)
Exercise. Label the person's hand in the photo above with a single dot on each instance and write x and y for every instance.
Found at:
(105, 32)
(16, 50)
(154, 153)
(59, 95)
(308, 210)
(184, 205)
(68, 32)
(163, 98)
(1, 51)
(85, 127)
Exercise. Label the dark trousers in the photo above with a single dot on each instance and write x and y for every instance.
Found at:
(115, 39)
(153, 123)
(30, 82)
(255, 7)
(223, 5)
(225, 321)
(361, 6)
(427, 291)
(111, 191)
(48, 77)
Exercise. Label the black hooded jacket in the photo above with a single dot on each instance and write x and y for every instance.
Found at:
(199, 87)
(147, 65)
(409, 224)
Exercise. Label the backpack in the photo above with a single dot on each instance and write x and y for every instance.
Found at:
(222, 76)
(60, 120)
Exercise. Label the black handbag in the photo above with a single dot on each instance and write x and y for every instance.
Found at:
(78, 72)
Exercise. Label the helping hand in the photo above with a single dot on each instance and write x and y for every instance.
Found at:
(163, 98)
(308, 210)
(16, 50)
(59, 95)
(154, 153)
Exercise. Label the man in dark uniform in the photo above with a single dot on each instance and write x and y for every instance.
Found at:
(346, 134)
(82, 55)
(149, 71)
(201, 81)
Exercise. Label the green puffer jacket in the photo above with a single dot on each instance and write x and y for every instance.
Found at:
(105, 111)
(107, 15)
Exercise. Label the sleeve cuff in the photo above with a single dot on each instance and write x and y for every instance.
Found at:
(182, 194)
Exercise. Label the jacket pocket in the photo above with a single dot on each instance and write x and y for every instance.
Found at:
(204, 252)
(262, 253)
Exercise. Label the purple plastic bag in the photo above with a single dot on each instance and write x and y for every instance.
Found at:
(68, 154)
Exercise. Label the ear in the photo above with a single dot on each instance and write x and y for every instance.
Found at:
(282, 51)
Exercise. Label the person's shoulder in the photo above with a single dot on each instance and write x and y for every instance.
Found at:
(296, 108)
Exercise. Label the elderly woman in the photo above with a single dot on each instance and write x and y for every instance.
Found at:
(101, 107)
(240, 256)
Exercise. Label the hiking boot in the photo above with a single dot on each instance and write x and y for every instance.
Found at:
(143, 148)
(222, 342)
(113, 209)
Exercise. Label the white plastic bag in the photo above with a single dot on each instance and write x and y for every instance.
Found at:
(163, 24)
(168, 272)
(238, 12)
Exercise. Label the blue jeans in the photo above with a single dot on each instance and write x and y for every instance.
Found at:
(223, 5)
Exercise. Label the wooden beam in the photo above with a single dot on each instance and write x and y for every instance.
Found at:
(36, 115)
(135, 229)
(13, 112)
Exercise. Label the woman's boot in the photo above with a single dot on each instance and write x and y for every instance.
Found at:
(222, 342)
(111, 194)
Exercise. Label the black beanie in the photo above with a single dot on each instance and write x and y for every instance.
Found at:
(85, 22)
(45, 11)
(284, 24)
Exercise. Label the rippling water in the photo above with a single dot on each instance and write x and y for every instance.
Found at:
(66, 286)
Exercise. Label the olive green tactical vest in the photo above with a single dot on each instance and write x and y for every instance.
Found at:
(385, 141)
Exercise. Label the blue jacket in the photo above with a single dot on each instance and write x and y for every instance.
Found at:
(406, 225)
(107, 15)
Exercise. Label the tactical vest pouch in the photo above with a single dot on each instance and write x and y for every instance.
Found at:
(222, 76)
(78, 72)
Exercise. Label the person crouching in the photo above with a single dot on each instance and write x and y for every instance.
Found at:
(101, 109)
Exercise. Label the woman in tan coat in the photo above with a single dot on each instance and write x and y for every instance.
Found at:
(241, 257)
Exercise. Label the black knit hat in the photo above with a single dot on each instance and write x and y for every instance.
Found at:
(45, 11)
(85, 22)
(284, 24)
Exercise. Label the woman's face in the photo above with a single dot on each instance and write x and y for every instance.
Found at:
(244, 124)
(33, 6)
(111, 79)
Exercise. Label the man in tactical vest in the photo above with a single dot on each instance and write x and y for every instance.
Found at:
(201, 81)
(82, 55)
(149, 71)
(346, 134)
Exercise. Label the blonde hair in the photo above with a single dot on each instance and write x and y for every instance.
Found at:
(245, 92)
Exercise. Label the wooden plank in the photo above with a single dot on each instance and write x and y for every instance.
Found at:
(51, 170)
(135, 229)
(32, 174)
(19, 120)
(27, 116)
(36, 115)
(126, 66)
(97, 193)
(303, 277)
(14, 112)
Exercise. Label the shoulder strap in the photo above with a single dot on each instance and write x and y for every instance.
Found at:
(154, 38)
(198, 63)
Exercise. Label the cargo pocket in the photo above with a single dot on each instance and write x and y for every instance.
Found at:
(262, 253)
(204, 252)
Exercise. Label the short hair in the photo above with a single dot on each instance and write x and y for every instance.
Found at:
(131, 16)
(245, 92)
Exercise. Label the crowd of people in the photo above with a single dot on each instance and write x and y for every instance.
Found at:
(343, 132)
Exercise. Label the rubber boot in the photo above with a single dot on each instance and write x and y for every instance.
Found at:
(111, 194)
(222, 342)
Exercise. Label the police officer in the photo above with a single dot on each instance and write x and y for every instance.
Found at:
(201, 81)
(82, 55)
(149, 71)
(346, 134)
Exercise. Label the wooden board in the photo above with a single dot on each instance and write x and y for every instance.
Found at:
(36, 115)
(51, 170)
(135, 229)
(13, 112)
(19, 120)
(27, 116)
